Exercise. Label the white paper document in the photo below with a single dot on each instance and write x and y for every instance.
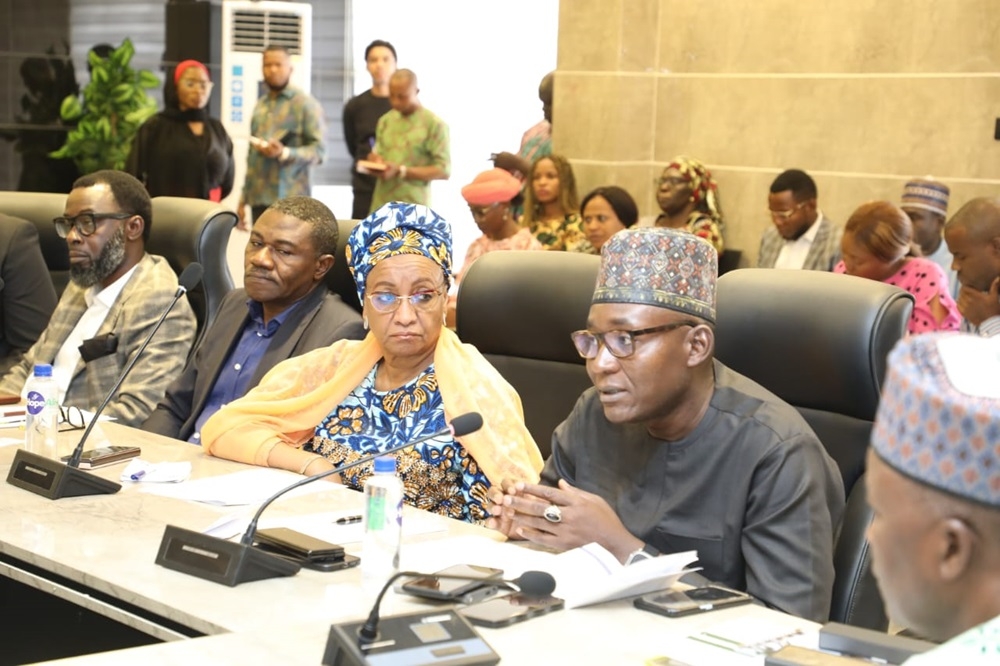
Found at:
(323, 526)
(584, 576)
(252, 486)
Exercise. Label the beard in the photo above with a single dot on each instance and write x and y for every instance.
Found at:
(107, 262)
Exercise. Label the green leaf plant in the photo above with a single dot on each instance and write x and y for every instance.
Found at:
(112, 108)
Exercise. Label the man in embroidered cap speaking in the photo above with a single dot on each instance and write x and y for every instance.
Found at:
(934, 486)
(672, 451)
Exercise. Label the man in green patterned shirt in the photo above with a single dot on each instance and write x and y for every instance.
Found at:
(286, 139)
(413, 145)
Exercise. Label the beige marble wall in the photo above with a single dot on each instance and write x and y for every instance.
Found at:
(862, 94)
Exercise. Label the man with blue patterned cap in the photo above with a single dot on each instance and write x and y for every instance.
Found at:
(673, 451)
(934, 487)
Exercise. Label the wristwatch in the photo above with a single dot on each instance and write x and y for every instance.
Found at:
(644, 553)
(402, 171)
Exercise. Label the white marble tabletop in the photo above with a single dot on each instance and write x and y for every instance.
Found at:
(109, 544)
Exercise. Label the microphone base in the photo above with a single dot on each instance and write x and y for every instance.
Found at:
(218, 560)
(425, 638)
(54, 480)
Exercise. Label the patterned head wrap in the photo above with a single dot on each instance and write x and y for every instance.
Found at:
(939, 418)
(394, 229)
(668, 268)
(704, 189)
(926, 194)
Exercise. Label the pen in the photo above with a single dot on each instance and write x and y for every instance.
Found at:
(347, 520)
(137, 476)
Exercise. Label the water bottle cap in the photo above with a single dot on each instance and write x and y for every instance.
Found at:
(43, 370)
(385, 465)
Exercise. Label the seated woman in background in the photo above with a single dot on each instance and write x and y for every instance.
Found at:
(182, 151)
(689, 198)
(606, 211)
(878, 245)
(492, 197)
(407, 378)
(551, 206)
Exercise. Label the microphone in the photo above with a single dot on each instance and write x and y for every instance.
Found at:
(54, 480)
(223, 561)
(448, 633)
(530, 583)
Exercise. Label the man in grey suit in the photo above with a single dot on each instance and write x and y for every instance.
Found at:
(116, 294)
(283, 310)
(801, 238)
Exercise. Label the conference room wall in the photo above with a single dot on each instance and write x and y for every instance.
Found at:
(862, 94)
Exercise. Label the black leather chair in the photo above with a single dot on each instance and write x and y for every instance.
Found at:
(40, 208)
(188, 230)
(820, 341)
(339, 279)
(518, 309)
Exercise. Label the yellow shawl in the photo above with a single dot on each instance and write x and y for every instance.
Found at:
(297, 394)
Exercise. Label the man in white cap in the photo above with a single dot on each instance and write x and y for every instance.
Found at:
(925, 202)
(934, 485)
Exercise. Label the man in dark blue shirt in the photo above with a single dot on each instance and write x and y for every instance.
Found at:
(283, 310)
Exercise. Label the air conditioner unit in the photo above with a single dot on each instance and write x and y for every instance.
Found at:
(247, 28)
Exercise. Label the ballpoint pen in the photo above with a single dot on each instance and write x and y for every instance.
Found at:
(348, 520)
(137, 476)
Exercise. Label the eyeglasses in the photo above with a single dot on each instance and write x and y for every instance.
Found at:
(483, 211)
(73, 417)
(384, 301)
(85, 223)
(190, 84)
(785, 214)
(621, 344)
(673, 181)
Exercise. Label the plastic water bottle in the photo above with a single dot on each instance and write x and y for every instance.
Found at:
(41, 425)
(383, 522)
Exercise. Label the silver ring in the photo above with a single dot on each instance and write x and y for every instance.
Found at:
(552, 513)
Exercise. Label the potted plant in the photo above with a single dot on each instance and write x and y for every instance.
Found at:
(113, 107)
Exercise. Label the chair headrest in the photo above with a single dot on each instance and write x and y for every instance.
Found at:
(338, 279)
(816, 339)
(526, 304)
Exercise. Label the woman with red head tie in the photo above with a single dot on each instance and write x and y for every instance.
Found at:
(182, 151)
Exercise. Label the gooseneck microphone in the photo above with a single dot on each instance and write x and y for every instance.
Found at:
(222, 561)
(460, 426)
(54, 480)
(189, 279)
(530, 583)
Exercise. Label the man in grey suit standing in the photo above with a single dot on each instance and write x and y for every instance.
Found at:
(801, 238)
(283, 310)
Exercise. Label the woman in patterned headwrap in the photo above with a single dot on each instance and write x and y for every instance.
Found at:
(689, 199)
(407, 378)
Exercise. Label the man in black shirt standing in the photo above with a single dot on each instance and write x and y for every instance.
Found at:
(361, 114)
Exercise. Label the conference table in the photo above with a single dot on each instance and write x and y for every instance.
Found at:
(97, 555)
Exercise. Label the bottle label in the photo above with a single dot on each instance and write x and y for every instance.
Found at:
(376, 511)
(36, 403)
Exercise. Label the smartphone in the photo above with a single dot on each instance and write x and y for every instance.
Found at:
(106, 455)
(457, 590)
(507, 610)
(297, 544)
(677, 603)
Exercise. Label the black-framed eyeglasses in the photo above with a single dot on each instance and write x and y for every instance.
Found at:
(384, 301)
(85, 223)
(71, 418)
(785, 214)
(621, 344)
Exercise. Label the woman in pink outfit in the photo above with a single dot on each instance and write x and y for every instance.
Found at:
(878, 245)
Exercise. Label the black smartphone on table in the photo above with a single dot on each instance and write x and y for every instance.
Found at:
(510, 609)
(457, 590)
(678, 603)
(309, 551)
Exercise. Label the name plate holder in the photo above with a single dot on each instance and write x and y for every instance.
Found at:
(55, 480)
